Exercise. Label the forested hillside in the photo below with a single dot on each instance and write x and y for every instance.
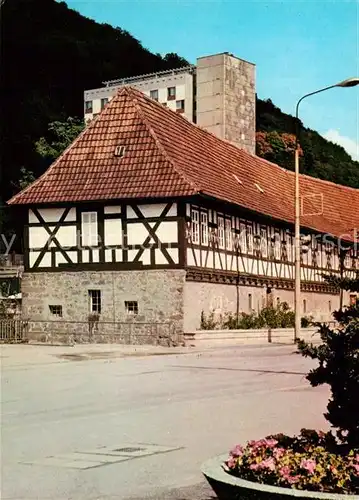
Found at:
(50, 54)
(320, 158)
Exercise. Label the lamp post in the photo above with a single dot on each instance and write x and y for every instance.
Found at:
(350, 82)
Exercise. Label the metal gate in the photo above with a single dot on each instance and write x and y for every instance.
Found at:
(13, 331)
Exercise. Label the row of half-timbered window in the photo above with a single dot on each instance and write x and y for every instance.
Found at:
(220, 231)
(89, 229)
(195, 225)
(204, 228)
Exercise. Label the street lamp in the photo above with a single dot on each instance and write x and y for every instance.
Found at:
(350, 82)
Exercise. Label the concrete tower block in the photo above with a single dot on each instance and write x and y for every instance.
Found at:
(226, 98)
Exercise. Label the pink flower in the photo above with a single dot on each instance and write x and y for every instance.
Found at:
(268, 464)
(271, 443)
(237, 451)
(293, 479)
(284, 471)
(308, 465)
(278, 453)
(254, 466)
(231, 462)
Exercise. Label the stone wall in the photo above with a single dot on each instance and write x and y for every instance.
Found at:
(240, 103)
(226, 98)
(222, 298)
(159, 294)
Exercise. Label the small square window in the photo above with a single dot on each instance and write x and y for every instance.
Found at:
(104, 101)
(88, 107)
(171, 93)
(56, 311)
(131, 307)
(95, 301)
(154, 94)
(180, 106)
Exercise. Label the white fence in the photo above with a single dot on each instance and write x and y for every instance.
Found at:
(260, 336)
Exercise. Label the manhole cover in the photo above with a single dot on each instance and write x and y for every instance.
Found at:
(129, 450)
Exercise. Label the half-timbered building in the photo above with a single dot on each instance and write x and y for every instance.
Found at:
(147, 215)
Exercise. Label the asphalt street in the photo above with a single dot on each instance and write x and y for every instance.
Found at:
(102, 422)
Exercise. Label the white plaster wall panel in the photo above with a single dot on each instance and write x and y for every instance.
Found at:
(66, 236)
(112, 209)
(180, 92)
(131, 254)
(46, 260)
(167, 232)
(85, 256)
(60, 259)
(118, 255)
(217, 262)
(145, 257)
(96, 106)
(108, 255)
(32, 258)
(38, 237)
(198, 256)
(190, 258)
(95, 255)
(152, 210)
(174, 253)
(48, 214)
(188, 210)
(172, 105)
(71, 216)
(160, 258)
(204, 257)
(162, 94)
(137, 234)
(113, 232)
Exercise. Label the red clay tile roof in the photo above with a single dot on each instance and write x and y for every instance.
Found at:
(167, 156)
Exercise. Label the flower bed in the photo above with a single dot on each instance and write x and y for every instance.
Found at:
(312, 461)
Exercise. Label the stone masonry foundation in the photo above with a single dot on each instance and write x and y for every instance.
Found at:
(158, 293)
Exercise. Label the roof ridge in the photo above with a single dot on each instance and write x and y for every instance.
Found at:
(53, 165)
(141, 113)
(233, 145)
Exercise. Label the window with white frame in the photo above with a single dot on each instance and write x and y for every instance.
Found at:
(195, 225)
(171, 93)
(95, 301)
(220, 231)
(89, 230)
(154, 94)
(204, 228)
(264, 242)
(243, 238)
(289, 245)
(104, 101)
(88, 107)
(180, 106)
(276, 245)
(249, 239)
(228, 234)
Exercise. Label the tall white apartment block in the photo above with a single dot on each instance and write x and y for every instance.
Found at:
(218, 93)
(172, 88)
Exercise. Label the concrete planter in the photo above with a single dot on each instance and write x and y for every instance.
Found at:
(228, 487)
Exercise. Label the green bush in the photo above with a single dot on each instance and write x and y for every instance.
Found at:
(338, 358)
(279, 316)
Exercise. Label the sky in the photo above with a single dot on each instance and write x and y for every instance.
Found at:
(298, 46)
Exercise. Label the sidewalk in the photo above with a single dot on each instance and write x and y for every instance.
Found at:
(34, 354)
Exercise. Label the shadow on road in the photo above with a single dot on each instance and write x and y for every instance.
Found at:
(255, 370)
